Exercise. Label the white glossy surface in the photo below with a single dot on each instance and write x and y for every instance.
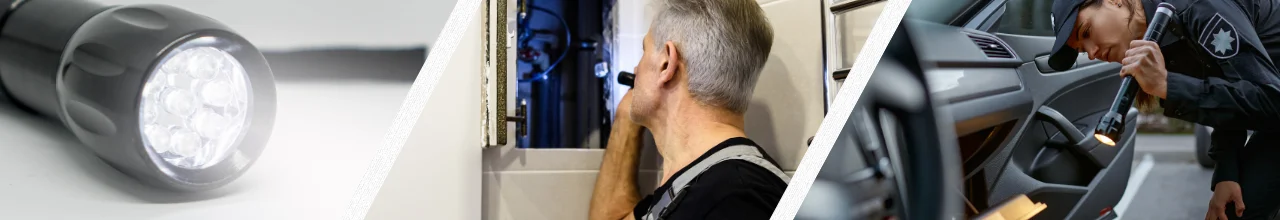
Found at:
(324, 137)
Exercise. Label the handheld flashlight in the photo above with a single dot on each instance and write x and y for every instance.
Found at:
(169, 97)
(627, 78)
(1112, 124)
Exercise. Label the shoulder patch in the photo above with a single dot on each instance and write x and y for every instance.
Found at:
(1219, 37)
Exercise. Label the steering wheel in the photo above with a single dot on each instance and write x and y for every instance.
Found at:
(896, 157)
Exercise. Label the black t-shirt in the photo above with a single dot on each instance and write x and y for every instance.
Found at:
(733, 189)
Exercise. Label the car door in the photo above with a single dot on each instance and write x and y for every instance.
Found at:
(1024, 128)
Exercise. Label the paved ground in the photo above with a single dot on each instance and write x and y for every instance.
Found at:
(1175, 186)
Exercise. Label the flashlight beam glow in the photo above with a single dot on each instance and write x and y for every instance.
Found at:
(1104, 139)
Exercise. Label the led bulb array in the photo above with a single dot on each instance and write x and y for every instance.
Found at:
(195, 106)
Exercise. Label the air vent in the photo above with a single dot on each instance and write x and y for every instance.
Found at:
(992, 47)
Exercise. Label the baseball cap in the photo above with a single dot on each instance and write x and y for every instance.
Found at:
(1064, 22)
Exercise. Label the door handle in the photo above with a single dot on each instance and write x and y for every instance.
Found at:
(1075, 139)
(1042, 63)
(841, 74)
(521, 119)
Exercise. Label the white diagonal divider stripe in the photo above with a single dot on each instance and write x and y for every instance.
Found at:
(841, 106)
(463, 13)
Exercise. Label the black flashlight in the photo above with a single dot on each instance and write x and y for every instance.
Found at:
(1112, 124)
(627, 78)
(172, 98)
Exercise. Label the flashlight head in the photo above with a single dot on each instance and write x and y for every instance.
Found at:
(1109, 128)
(170, 97)
(627, 78)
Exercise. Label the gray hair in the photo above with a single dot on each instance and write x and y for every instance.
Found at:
(723, 43)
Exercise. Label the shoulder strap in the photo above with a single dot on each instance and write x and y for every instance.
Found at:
(738, 152)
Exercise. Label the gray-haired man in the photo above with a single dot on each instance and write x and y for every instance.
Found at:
(692, 87)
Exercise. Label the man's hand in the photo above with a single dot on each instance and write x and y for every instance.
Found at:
(1145, 63)
(616, 194)
(622, 114)
(1225, 192)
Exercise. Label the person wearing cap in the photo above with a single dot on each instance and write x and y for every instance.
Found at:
(1214, 66)
(691, 90)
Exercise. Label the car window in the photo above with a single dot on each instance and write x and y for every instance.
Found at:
(940, 11)
(1027, 17)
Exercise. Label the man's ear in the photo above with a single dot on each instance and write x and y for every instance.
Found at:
(670, 64)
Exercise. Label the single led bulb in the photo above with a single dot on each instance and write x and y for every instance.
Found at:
(217, 92)
(185, 147)
(179, 102)
(210, 124)
(159, 139)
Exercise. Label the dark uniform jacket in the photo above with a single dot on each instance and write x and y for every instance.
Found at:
(1222, 73)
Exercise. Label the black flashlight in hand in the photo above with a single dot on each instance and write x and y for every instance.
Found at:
(1112, 124)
